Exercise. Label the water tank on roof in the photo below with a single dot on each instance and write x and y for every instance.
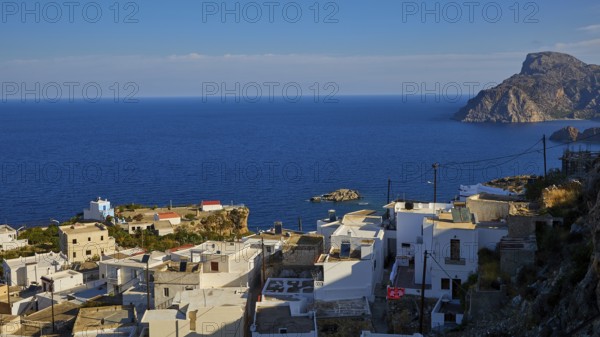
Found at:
(332, 216)
(278, 227)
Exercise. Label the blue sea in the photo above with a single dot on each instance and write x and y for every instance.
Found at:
(270, 156)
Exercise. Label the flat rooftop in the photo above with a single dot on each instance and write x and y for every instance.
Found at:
(444, 221)
(162, 315)
(283, 286)
(108, 317)
(42, 260)
(209, 298)
(177, 267)
(80, 228)
(358, 307)
(366, 230)
(334, 256)
(63, 274)
(269, 319)
(405, 278)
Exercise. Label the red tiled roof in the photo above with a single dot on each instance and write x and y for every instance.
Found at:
(168, 215)
(210, 202)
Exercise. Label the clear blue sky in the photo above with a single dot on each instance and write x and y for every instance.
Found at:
(374, 47)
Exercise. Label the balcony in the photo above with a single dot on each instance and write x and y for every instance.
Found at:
(114, 278)
(456, 262)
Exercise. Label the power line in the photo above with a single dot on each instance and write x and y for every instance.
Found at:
(445, 272)
(512, 156)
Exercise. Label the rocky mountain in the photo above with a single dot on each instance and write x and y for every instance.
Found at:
(550, 86)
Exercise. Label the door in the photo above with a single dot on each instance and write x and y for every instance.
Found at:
(456, 288)
(214, 266)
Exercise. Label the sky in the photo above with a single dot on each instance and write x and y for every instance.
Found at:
(205, 48)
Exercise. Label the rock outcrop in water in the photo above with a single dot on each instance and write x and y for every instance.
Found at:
(343, 194)
(566, 134)
(550, 86)
(571, 134)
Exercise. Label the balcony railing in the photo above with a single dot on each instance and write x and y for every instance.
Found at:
(460, 262)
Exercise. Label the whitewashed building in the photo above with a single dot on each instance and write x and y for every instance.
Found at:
(353, 265)
(99, 209)
(8, 238)
(128, 272)
(62, 280)
(218, 312)
(210, 205)
(172, 217)
(224, 264)
(25, 271)
(409, 224)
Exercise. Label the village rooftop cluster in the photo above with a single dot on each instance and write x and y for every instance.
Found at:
(273, 283)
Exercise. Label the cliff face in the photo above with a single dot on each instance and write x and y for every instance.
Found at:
(550, 86)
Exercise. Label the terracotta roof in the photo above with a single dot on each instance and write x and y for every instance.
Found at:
(210, 202)
(168, 215)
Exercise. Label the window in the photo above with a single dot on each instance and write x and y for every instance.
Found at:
(166, 292)
(74, 241)
(405, 245)
(282, 330)
(74, 255)
(89, 238)
(269, 249)
(446, 283)
(214, 266)
(88, 252)
(454, 249)
(101, 237)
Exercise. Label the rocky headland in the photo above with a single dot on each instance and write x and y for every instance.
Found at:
(550, 86)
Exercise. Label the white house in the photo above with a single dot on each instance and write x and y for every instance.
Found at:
(24, 271)
(409, 224)
(453, 254)
(452, 241)
(224, 264)
(99, 209)
(172, 217)
(124, 273)
(8, 238)
(217, 312)
(62, 280)
(354, 264)
(210, 205)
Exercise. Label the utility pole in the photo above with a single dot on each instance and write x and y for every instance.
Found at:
(435, 168)
(264, 273)
(148, 282)
(421, 316)
(544, 141)
(8, 290)
(52, 302)
(387, 212)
